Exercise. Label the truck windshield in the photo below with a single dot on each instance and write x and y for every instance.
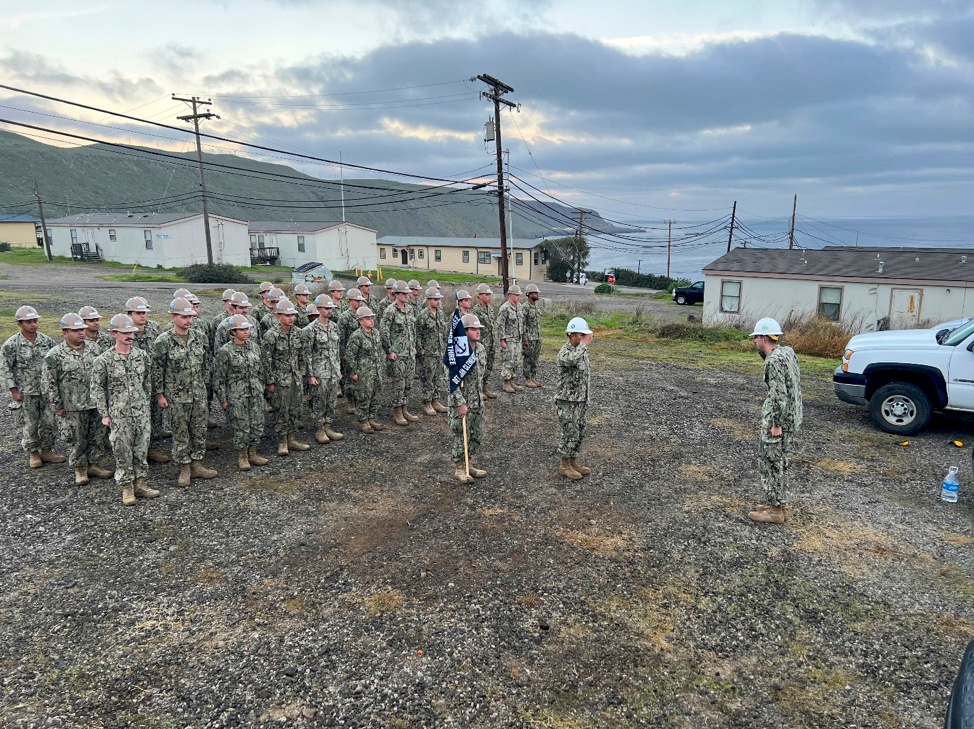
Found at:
(960, 334)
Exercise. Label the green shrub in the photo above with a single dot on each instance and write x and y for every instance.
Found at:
(215, 273)
(604, 288)
(677, 283)
(4, 247)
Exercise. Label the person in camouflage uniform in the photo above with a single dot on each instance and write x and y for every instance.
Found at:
(102, 340)
(416, 300)
(364, 285)
(532, 335)
(388, 300)
(137, 309)
(301, 295)
(65, 383)
(398, 332)
(274, 297)
(21, 362)
(347, 324)
(324, 368)
(365, 358)
(488, 335)
(240, 305)
(571, 400)
(510, 333)
(781, 419)
(467, 402)
(262, 308)
(285, 364)
(229, 311)
(121, 385)
(238, 385)
(337, 292)
(431, 334)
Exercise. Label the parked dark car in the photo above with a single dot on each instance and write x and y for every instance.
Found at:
(689, 294)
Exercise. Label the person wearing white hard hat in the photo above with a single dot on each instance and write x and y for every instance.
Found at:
(21, 360)
(571, 400)
(510, 333)
(324, 368)
(781, 419)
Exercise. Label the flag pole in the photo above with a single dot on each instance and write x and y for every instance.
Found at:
(466, 450)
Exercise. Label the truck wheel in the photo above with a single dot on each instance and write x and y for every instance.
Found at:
(900, 408)
(681, 299)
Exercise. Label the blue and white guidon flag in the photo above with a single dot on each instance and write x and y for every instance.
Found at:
(459, 357)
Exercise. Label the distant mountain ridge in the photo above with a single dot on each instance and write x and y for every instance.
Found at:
(101, 178)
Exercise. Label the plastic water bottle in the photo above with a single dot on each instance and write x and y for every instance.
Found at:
(949, 491)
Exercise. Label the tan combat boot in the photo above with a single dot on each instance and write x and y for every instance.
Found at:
(376, 425)
(350, 406)
(408, 415)
(81, 476)
(584, 470)
(438, 406)
(769, 515)
(98, 472)
(282, 446)
(293, 444)
(50, 457)
(366, 427)
(461, 474)
(509, 387)
(397, 417)
(184, 479)
(321, 435)
(242, 462)
(128, 494)
(255, 459)
(35, 460)
(156, 456)
(566, 470)
(333, 434)
(428, 409)
(531, 382)
(143, 491)
(488, 394)
(517, 387)
(477, 472)
(198, 470)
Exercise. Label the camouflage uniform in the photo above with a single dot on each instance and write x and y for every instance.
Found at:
(144, 341)
(783, 409)
(301, 318)
(431, 333)
(101, 448)
(381, 307)
(532, 334)
(470, 393)
(324, 364)
(222, 334)
(510, 328)
(199, 324)
(398, 332)
(488, 336)
(121, 386)
(259, 310)
(238, 380)
(284, 367)
(65, 382)
(21, 362)
(365, 355)
(181, 371)
(347, 325)
(571, 399)
(102, 343)
(268, 322)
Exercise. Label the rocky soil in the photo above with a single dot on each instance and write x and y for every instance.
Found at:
(358, 585)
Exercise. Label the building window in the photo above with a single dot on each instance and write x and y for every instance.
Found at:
(483, 256)
(382, 253)
(300, 244)
(421, 253)
(253, 240)
(730, 296)
(830, 302)
(466, 257)
(437, 254)
(111, 234)
(260, 241)
(412, 254)
(148, 239)
(74, 236)
(518, 259)
(536, 258)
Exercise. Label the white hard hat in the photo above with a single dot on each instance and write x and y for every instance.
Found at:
(767, 327)
(578, 326)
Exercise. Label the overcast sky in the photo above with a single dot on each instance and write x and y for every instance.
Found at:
(642, 109)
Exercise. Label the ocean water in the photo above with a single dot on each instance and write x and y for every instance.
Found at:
(698, 243)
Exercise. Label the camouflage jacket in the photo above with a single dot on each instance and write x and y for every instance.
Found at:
(416, 304)
(269, 321)
(783, 405)
(532, 321)
(238, 372)
(102, 343)
(341, 306)
(365, 354)
(285, 362)
(510, 323)
(121, 385)
(383, 304)
(217, 320)
(431, 333)
(471, 390)
(66, 376)
(147, 337)
(323, 354)
(259, 310)
(301, 319)
(222, 334)
(398, 332)
(21, 361)
(488, 335)
(200, 323)
(574, 373)
(181, 370)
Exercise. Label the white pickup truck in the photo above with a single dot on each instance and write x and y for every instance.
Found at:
(905, 375)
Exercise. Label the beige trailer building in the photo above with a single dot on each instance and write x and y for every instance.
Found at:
(476, 256)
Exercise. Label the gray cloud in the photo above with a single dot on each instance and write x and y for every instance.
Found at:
(31, 68)
(176, 59)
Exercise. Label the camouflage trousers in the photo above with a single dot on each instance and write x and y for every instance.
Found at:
(82, 430)
(488, 365)
(322, 398)
(188, 423)
(511, 360)
(367, 391)
(571, 416)
(129, 438)
(38, 423)
(155, 417)
(432, 378)
(287, 404)
(532, 353)
(773, 465)
(401, 373)
(246, 419)
(475, 432)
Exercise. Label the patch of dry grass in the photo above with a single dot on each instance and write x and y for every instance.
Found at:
(832, 465)
(704, 502)
(737, 429)
(696, 472)
(958, 540)
(531, 600)
(384, 601)
(209, 574)
(604, 545)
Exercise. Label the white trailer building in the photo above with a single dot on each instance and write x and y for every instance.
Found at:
(340, 246)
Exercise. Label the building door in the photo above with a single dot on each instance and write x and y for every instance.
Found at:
(405, 258)
(904, 308)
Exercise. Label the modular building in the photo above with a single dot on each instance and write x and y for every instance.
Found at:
(20, 231)
(340, 246)
(476, 256)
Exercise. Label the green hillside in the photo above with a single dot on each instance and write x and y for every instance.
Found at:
(99, 178)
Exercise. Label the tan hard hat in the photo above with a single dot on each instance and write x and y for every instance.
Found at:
(266, 286)
(72, 321)
(192, 298)
(227, 293)
(285, 307)
(432, 282)
(364, 311)
(122, 323)
(89, 312)
(532, 289)
(515, 290)
(25, 313)
(324, 301)
(275, 294)
(239, 321)
(311, 309)
(390, 282)
(463, 294)
(137, 303)
(336, 285)
(433, 293)
(470, 321)
(181, 306)
(484, 289)
(239, 298)
(301, 289)
(401, 287)
(363, 281)
(181, 294)
(414, 284)
(354, 295)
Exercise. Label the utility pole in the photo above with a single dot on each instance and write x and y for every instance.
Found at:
(578, 238)
(195, 118)
(498, 89)
(791, 235)
(669, 244)
(730, 238)
(639, 263)
(40, 207)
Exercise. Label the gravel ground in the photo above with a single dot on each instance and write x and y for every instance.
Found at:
(358, 585)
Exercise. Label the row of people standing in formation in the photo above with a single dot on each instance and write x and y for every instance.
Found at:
(110, 391)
